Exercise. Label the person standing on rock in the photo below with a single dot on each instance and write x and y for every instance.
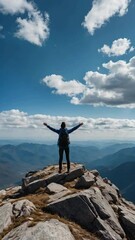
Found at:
(63, 142)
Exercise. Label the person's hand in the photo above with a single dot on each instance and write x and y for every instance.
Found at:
(45, 124)
(81, 124)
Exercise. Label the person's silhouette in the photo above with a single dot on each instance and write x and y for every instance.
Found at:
(63, 142)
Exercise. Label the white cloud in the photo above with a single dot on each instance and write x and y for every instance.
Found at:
(19, 119)
(114, 88)
(15, 6)
(33, 28)
(118, 48)
(69, 88)
(21, 125)
(102, 11)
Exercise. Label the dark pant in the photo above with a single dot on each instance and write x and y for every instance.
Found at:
(61, 151)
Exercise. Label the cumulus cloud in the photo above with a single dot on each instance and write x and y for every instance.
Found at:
(19, 119)
(118, 48)
(15, 123)
(102, 11)
(61, 86)
(33, 28)
(114, 88)
(13, 7)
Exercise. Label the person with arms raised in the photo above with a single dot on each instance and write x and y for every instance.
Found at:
(63, 142)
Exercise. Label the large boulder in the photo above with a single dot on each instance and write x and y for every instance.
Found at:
(51, 229)
(90, 210)
(75, 207)
(85, 181)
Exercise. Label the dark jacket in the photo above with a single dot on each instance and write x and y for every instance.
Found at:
(68, 130)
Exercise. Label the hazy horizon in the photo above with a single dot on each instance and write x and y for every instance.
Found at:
(100, 143)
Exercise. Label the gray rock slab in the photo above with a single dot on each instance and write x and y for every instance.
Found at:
(35, 175)
(41, 183)
(76, 207)
(56, 196)
(53, 177)
(28, 180)
(109, 192)
(34, 186)
(55, 188)
(5, 216)
(85, 181)
(100, 203)
(46, 173)
(64, 177)
(48, 230)
(78, 172)
(104, 210)
(90, 210)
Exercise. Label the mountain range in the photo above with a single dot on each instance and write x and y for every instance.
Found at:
(115, 161)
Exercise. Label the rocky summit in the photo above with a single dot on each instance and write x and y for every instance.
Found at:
(77, 205)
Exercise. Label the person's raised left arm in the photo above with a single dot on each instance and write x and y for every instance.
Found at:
(75, 128)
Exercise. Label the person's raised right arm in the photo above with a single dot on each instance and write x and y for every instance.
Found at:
(52, 129)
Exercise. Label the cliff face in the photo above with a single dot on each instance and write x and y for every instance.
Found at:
(78, 205)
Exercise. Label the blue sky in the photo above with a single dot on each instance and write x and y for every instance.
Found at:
(67, 60)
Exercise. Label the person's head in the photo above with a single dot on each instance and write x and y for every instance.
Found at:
(63, 125)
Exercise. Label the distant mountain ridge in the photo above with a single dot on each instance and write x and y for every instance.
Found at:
(115, 159)
(16, 160)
